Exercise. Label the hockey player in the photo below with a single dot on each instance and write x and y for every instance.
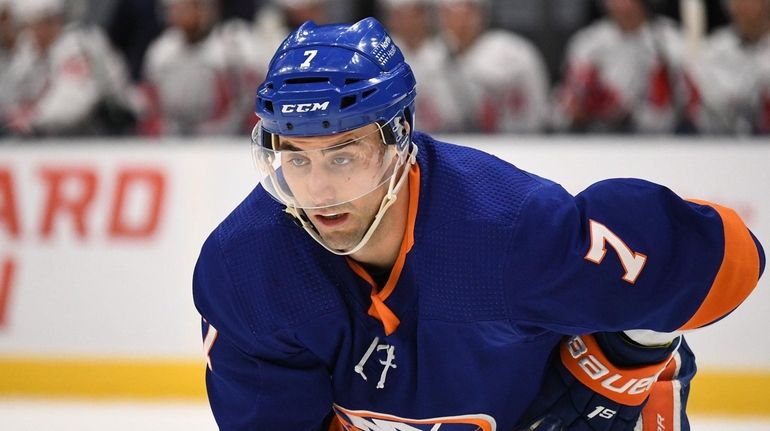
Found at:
(492, 79)
(378, 279)
(623, 73)
(62, 79)
(8, 37)
(199, 74)
(275, 19)
(412, 26)
(8, 32)
(731, 77)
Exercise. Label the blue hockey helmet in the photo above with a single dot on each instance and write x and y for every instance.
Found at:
(333, 78)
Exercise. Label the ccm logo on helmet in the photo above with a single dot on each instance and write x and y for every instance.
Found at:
(304, 107)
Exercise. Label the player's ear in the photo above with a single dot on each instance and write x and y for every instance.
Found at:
(407, 126)
(409, 118)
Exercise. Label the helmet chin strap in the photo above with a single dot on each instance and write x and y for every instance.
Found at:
(393, 187)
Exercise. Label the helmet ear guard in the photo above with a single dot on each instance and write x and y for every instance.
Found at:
(398, 131)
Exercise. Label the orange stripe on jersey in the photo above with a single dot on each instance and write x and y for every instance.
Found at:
(336, 425)
(737, 274)
(378, 309)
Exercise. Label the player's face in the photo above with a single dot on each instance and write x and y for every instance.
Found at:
(462, 21)
(411, 22)
(45, 31)
(192, 17)
(327, 174)
(628, 14)
(752, 17)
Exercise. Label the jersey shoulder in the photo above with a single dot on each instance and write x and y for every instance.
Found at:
(258, 273)
(590, 41)
(166, 48)
(470, 206)
(499, 57)
(464, 183)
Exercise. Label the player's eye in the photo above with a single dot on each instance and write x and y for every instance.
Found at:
(341, 160)
(297, 161)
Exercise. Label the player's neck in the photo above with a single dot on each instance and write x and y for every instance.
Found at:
(384, 245)
(752, 35)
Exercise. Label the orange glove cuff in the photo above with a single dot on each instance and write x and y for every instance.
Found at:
(584, 359)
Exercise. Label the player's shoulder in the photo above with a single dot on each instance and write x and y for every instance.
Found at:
(608, 197)
(259, 273)
(596, 36)
(165, 47)
(763, 46)
(500, 49)
(723, 39)
(616, 189)
(763, 60)
(499, 39)
(478, 184)
(70, 44)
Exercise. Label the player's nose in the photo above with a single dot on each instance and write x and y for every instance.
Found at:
(321, 188)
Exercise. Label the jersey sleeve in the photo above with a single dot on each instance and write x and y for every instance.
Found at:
(629, 254)
(254, 382)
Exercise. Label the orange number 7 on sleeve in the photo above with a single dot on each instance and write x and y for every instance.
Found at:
(601, 235)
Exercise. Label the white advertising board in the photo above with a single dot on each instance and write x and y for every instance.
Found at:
(98, 239)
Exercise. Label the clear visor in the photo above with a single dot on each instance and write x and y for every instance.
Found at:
(324, 171)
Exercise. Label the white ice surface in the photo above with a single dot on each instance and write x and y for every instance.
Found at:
(36, 415)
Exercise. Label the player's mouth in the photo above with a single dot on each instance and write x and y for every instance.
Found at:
(331, 219)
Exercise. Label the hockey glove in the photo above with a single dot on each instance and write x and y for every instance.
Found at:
(583, 389)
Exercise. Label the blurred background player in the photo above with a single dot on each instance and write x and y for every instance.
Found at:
(8, 31)
(498, 79)
(277, 18)
(8, 36)
(132, 26)
(199, 74)
(622, 73)
(62, 79)
(413, 25)
(410, 22)
(731, 78)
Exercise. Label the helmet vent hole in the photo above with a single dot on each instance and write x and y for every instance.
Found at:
(350, 81)
(325, 124)
(307, 80)
(269, 106)
(368, 93)
(347, 101)
(289, 126)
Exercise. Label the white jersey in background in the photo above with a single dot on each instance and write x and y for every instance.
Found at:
(499, 84)
(201, 88)
(731, 85)
(57, 91)
(6, 56)
(436, 105)
(621, 81)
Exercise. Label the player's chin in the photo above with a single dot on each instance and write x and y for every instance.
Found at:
(339, 244)
(340, 240)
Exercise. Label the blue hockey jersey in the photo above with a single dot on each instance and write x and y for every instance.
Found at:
(496, 266)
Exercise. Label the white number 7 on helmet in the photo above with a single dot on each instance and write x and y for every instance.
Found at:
(310, 54)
